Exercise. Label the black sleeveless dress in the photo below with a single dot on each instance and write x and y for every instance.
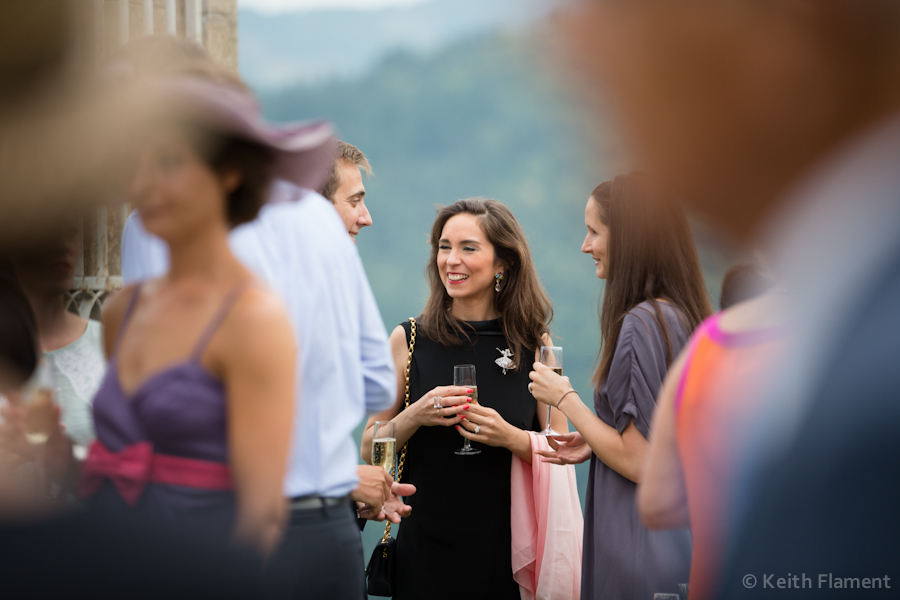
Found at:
(456, 543)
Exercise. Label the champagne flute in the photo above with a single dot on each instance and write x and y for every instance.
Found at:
(39, 414)
(384, 444)
(551, 356)
(464, 375)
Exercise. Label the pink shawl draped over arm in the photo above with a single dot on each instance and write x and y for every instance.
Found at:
(547, 527)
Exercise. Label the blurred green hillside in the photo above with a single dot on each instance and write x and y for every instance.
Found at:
(477, 119)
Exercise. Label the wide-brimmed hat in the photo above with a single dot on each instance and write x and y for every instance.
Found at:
(304, 151)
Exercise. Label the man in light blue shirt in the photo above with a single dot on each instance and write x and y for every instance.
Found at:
(299, 246)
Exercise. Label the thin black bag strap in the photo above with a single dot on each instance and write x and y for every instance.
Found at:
(412, 346)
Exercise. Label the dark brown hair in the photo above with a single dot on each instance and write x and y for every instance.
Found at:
(168, 56)
(523, 305)
(18, 332)
(651, 255)
(252, 161)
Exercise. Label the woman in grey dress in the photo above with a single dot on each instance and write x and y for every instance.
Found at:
(654, 299)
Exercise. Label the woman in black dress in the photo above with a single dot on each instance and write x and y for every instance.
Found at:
(485, 299)
(654, 298)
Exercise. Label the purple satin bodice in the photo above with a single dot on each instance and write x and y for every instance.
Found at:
(181, 411)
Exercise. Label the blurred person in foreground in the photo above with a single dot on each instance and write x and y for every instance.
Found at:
(709, 397)
(18, 361)
(780, 121)
(741, 283)
(654, 298)
(201, 378)
(485, 298)
(63, 149)
(298, 245)
(64, 142)
(345, 190)
(44, 554)
(71, 344)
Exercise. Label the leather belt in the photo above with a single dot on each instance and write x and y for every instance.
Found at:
(312, 502)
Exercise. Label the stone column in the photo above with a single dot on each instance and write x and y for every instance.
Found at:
(220, 31)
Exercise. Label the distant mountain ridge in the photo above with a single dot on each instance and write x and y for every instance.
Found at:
(280, 50)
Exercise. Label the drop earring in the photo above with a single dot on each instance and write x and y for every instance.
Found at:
(499, 278)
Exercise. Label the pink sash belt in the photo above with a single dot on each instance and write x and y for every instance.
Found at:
(133, 467)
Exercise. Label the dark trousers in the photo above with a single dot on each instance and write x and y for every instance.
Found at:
(319, 557)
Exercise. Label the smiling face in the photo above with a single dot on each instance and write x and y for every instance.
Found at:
(596, 242)
(175, 191)
(466, 260)
(350, 199)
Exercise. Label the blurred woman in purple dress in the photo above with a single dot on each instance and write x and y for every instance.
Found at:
(194, 416)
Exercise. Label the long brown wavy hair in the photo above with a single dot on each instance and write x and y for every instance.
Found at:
(523, 305)
(650, 255)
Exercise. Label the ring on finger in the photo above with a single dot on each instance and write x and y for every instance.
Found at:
(477, 429)
(530, 391)
(437, 402)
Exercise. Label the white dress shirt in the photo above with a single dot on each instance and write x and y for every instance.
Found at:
(300, 248)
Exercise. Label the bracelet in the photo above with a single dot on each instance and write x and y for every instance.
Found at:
(563, 396)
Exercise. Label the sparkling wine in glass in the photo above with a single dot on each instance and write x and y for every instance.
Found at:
(384, 444)
(39, 414)
(551, 356)
(464, 375)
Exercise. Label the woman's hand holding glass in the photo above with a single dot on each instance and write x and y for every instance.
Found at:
(571, 449)
(15, 444)
(441, 406)
(492, 429)
(546, 386)
(53, 457)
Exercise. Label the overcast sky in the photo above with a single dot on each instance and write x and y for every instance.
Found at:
(275, 6)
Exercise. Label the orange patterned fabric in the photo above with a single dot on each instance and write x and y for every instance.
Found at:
(714, 402)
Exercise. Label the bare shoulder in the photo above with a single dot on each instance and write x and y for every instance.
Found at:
(398, 337)
(399, 345)
(258, 311)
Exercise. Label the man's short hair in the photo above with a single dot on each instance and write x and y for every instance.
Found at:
(345, 153)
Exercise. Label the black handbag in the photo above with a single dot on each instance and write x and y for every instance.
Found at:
(380, 572)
